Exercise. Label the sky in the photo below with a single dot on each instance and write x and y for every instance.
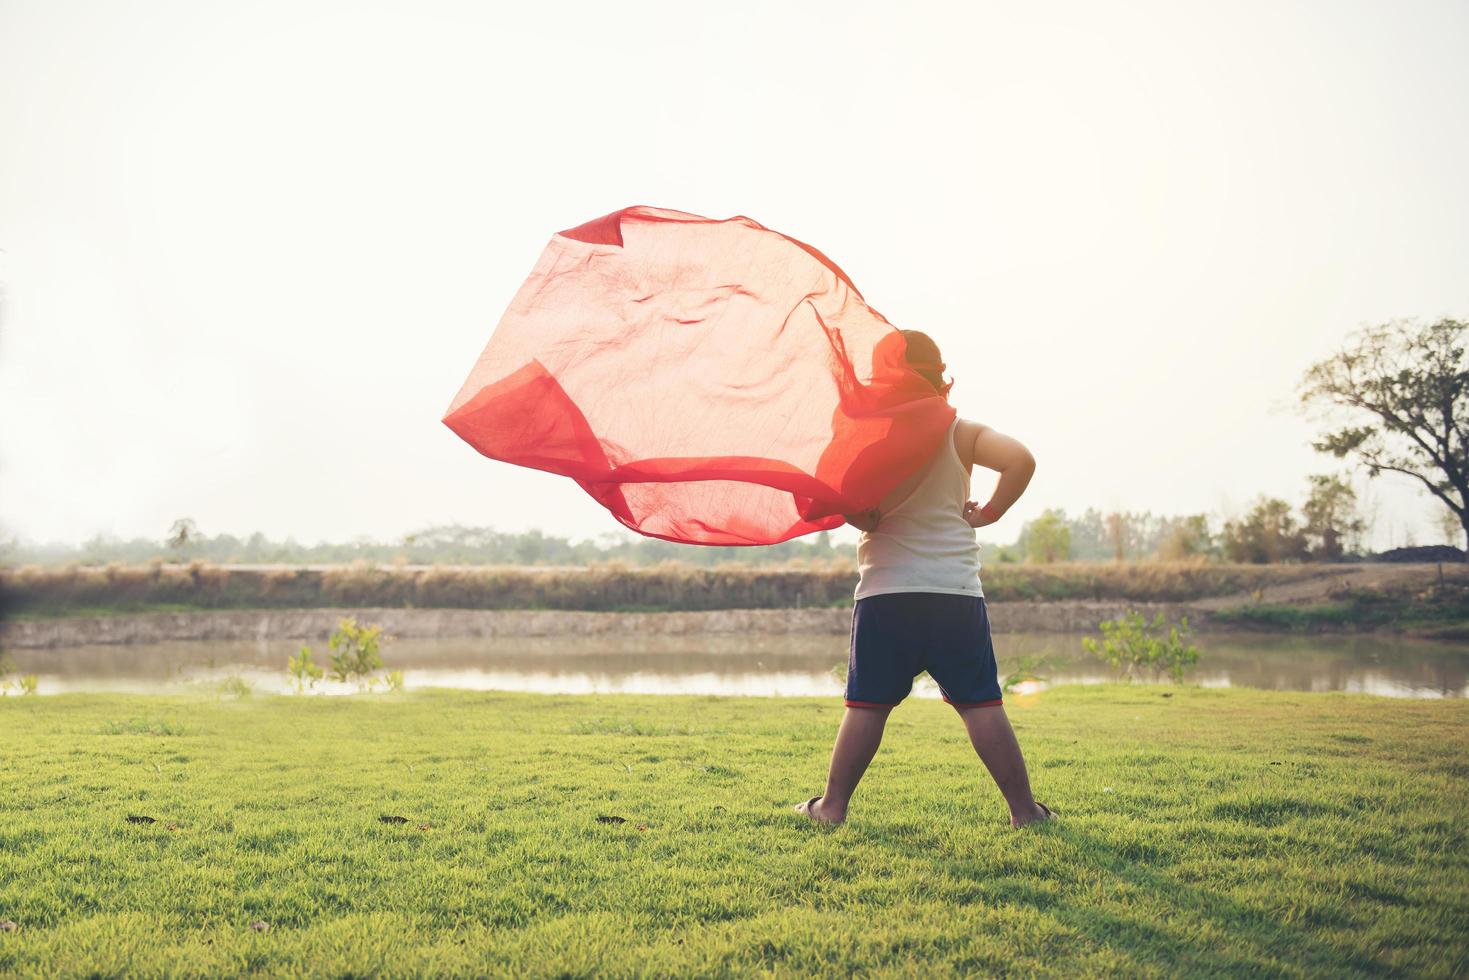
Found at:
(251, 251)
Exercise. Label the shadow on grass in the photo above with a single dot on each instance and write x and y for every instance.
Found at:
(1258, 941)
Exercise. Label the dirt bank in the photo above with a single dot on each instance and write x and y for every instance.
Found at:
(316, 624)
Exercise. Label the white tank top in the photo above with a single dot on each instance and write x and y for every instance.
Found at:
(924, 544)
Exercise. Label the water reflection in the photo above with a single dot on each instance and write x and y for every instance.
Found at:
(779, 665)
(1390, 666)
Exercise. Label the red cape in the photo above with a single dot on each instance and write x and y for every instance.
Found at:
(708, 382)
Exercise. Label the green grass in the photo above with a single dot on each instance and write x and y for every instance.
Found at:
(1284, 616)
(1203, 832)
(117, 609)
(1435, 611)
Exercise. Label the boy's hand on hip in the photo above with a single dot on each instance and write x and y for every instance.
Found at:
(978, 516)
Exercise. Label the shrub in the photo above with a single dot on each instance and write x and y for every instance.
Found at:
(25, 685)
(233, 687)
(356, 651)
(1027, 668)
(1133, 644)
(306, 672)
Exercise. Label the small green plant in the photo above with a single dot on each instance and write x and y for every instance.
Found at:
(1027, 668)
(25, 685)
(1132, 645)
(356, 652)
(234, 687)
(394, 680)
(304, 670)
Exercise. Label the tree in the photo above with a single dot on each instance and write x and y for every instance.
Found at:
(1185, 537)
(1047, 538)
(1093, 539)
(182, 535)
(1404, 389)
(1121, 531)
(1446, 523)
(1333, 526)
(1088, 536)
(1268, 533)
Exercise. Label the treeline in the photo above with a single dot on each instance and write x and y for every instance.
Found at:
(1329, 526)
(450, 544)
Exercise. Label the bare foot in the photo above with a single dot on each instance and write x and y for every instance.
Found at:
(820, 811)
(1039, 812)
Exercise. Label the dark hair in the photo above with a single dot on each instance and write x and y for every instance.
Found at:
(924, 357)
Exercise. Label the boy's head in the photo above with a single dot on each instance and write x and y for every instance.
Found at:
(924, 357)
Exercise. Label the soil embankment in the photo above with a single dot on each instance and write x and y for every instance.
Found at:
(82, 605)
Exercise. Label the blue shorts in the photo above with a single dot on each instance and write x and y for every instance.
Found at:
(898, 635)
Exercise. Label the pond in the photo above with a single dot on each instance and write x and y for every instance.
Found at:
(766, 665)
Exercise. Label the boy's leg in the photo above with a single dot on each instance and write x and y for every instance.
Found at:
(879, 676)
(857, 740)
(994, 740)
(962, 661)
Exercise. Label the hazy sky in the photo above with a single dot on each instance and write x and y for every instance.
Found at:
(251, 250)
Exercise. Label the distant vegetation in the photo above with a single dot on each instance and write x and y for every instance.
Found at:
(452, 544)
(1328, 527)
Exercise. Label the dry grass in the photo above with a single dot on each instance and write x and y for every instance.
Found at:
(1147, 581)
(72, 589)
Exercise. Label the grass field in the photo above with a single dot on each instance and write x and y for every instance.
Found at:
(1203, 832)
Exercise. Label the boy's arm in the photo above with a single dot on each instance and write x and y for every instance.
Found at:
(997, 451)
